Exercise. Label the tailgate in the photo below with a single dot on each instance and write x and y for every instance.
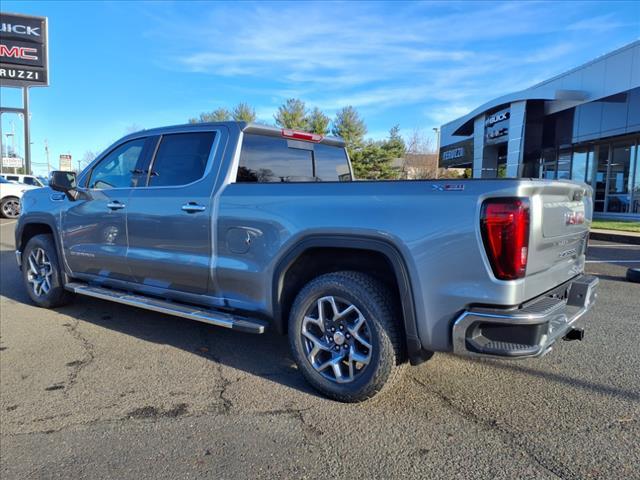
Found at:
(561, 215)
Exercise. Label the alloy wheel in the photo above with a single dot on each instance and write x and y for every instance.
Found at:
(40, 272)
(336, 339)
(11, 208)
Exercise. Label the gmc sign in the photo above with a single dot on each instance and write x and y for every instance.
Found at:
(23, 51)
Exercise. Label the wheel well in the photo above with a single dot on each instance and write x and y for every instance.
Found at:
(314, 262)
(31, 230)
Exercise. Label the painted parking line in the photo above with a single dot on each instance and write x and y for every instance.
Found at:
(614, 246)
(612, 261)
(7, 223)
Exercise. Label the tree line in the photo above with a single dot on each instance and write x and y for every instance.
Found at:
(371, 159)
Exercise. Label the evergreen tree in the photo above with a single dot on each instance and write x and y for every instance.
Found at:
(350, 127)
(372, 161)
(292, 114)
(318, 122)
(243, 112)
(218, 115)
(394, 145)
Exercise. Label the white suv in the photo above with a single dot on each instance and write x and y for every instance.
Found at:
(26, 179)
(10, 195)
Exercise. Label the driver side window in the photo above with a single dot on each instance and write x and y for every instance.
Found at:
(120, 167)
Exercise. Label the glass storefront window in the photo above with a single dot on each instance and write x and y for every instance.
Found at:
(581, 164)
(548, 165)
(564, 165)
(620, 178)
(634, 180)
(599, 190)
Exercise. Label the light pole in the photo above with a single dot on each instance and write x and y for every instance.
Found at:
(46, 152)
(13, 146)
(437, 132)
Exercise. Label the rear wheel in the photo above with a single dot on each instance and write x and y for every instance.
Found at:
(42, 273)
(344, 336)
(10, 207)
(633, 275)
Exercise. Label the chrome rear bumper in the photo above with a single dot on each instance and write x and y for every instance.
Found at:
(528, 331)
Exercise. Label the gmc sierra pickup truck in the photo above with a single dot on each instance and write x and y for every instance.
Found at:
(251, 227)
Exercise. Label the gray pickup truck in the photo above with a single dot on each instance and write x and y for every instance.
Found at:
(253, 228)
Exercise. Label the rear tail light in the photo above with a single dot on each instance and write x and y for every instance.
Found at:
(298, 135)
(504, 223)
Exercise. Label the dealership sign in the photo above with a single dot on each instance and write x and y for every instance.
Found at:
(453, 154)
(24, 59)
(496, 127)
(12, 162)
(65, 163)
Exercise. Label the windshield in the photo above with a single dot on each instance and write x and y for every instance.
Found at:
(2, 180)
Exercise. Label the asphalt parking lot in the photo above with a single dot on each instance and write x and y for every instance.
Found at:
(99, 390)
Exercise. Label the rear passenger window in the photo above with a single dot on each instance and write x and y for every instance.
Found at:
(273, 159)
(331, 163)
(181, 159)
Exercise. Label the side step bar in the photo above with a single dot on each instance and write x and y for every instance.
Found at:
(212, 317)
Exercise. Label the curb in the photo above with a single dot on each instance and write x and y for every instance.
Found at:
(614, 237)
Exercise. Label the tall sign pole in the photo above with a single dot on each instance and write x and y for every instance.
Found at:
(27, 131)
(24, 63)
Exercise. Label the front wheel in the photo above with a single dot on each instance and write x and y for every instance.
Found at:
(42, 273)
(344, 336)
(10, 207)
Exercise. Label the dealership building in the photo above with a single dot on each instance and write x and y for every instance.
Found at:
(582, 125)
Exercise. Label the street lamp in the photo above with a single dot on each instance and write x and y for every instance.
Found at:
(437, 132)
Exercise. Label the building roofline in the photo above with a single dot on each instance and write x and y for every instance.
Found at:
(534, 92)
(599, 58)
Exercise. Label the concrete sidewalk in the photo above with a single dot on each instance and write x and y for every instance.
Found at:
(617, 236)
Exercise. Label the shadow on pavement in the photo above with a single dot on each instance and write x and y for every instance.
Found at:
(563, 379)
(266, 355)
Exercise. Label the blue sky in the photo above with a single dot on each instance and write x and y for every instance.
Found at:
(115, 66)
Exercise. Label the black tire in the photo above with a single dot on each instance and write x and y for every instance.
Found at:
(633, 275)
(56, 295)
(383, 330)
(8, 208)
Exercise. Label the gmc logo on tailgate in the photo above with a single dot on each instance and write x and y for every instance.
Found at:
(574, 218)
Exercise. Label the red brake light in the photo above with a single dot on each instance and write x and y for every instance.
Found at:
(298, 135)
(504, 223)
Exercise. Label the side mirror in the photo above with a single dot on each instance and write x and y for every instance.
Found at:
(64, 182)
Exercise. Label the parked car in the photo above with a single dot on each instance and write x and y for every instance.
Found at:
(10, 195)
(25, 179)
(251, 227)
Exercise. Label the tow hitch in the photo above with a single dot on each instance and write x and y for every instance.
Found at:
(574, 334)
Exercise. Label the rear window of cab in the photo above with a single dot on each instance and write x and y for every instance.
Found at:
(266, 159)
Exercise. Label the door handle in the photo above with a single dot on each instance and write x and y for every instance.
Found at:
(115, 205)
(193, 207)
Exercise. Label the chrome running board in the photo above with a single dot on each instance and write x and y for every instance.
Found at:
(212, 317)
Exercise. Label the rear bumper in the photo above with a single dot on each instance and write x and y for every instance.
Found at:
(528, 331)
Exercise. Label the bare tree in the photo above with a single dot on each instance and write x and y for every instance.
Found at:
(419, 143)
(421, 160)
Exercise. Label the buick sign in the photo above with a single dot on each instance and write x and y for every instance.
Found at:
(24, 57)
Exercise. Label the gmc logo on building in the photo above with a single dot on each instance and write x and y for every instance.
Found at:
(24, 53)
